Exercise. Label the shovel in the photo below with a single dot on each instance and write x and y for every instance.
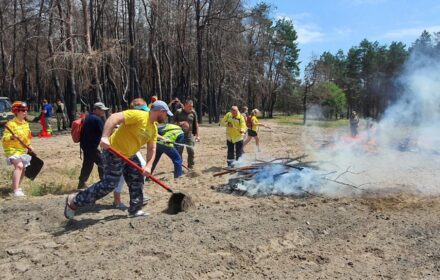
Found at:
(178, 202)
(32, 170)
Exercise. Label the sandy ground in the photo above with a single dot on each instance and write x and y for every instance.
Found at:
(223, 237)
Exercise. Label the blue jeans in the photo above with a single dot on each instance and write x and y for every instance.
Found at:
(173, 154)
(113, 168)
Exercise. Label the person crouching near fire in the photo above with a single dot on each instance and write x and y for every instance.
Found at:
(15, 151)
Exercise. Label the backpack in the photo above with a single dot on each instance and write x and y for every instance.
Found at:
(249, 121)
(76, 131)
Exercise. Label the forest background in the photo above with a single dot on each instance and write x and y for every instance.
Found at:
(216, 52)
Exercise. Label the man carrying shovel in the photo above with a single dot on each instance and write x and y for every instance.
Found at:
(136, 129)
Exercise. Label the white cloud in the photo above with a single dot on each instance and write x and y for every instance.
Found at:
(307, 32)
(409, 32)
(342, 31)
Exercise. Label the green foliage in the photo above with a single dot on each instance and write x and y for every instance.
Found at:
(273, 54)
(298, 120)
(334, 98)
(285, 41)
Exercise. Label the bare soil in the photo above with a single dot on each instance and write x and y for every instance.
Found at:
(223, 236)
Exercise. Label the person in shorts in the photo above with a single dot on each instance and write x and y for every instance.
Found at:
(252, 131)
(16, 153)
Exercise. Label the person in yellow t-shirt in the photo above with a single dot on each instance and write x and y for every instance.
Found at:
(136, 129)
(253, 129)
(15, 151)
(235, 129)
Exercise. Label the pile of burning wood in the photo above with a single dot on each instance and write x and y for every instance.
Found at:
(280, 176)
(285, 177)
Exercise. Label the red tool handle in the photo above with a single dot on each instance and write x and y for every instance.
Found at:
(140, 169)
(18, 138)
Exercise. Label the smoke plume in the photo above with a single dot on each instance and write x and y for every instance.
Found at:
(400, 153)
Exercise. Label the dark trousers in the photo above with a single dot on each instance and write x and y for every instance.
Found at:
(235, 150)
(354, 130)
(173, 154)
(61, 120)
(188, 140)
(91, 157)
(113, 168)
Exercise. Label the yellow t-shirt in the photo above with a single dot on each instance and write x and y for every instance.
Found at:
(136, 131)
(255, 123)
(13, 147)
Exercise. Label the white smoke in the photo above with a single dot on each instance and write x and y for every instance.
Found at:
(401, 153)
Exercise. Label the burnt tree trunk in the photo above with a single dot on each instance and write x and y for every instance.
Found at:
(71, 94)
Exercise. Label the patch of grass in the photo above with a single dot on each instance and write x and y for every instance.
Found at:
(298, 120)
(5, 191)
(71, 173)
(5, 181)
(39, 189)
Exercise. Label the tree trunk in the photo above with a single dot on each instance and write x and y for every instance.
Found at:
(95, 80)
(133, 83)
(71, 95)
(306, 89)
(13, 86)
(25, 87)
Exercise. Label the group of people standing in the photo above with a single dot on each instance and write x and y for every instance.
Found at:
(60, 112)
(127, 132)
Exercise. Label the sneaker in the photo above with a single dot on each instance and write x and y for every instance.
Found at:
(120, 206)
(69, 209)
(138, 213)
(19, 193)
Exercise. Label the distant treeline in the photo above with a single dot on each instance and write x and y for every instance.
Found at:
(216, 52)
(81, 51)
(365, 79)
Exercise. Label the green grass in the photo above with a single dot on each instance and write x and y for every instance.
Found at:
(298, 120)
(71, 173)
(35, 188)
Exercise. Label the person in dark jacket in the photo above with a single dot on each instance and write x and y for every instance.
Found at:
(90, 138)
(354, 124)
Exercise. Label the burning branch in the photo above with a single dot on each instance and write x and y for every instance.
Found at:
(272, 177)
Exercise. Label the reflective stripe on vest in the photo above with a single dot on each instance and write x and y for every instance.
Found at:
(171, 132)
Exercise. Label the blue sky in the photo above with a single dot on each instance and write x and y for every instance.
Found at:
(326, 25)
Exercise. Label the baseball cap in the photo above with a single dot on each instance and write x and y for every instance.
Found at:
(100, 105)
(161, 106)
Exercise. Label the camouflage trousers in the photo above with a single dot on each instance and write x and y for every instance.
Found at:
(113, 168)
